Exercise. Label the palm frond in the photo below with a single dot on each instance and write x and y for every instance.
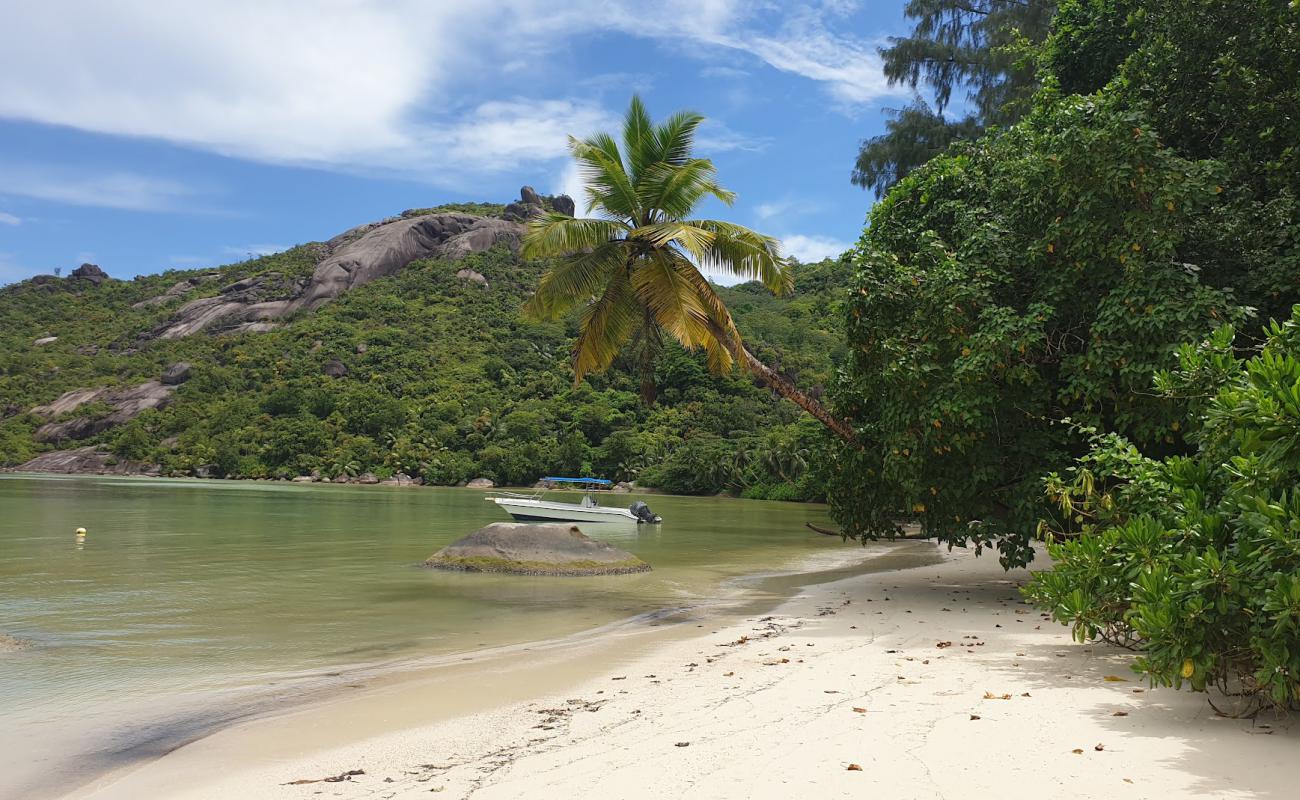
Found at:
(606, 326)
(746, 254)
(638, 138)
(553, 234)
(576, 280)
(609, 188)
(722, 328)
(675, 138)
(663, 234)
(671, 299)
(676, 190)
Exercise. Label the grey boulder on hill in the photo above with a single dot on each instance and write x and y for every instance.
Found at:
(87, 461)
(127, 404)
(90, 273)
(529, 549)
(353, 259)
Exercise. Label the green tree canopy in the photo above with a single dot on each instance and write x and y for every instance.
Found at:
(956, 46)
(1043, 272)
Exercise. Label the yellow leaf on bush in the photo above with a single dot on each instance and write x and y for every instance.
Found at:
(1188, 668)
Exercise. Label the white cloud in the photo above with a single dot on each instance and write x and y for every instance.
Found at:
(119, 189)
(724, 72)
(255, 250)
(570, 182)
(713, 136)
(500, 135)
(766, 211)
(811, 249)
(375, 84)
(9, 219)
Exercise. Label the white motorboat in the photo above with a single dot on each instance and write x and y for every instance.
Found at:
(534, 508)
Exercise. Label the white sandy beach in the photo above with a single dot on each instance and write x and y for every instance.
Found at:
(936, 681)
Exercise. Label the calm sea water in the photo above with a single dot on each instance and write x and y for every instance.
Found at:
(191, 602)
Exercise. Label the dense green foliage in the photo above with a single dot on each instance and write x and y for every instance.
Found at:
(979, 46)
(1043, 272)
(452, 382)
(1195, 557)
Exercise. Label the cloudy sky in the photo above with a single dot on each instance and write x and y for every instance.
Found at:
(149, 135)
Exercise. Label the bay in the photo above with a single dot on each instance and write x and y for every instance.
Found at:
(190, 604)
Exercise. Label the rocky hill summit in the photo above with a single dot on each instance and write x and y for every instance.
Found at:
(351, 259)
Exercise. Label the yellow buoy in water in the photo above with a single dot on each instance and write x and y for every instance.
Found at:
(81, 531)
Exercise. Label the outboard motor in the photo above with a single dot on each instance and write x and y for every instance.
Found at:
(643, 512)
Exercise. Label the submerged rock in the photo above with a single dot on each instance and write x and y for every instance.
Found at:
(521, 548)
(12, 644)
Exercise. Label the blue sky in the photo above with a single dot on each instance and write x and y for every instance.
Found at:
(144, 136)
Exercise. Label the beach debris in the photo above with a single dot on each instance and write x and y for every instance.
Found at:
(339, 778)
(682, 744)
(942, 645)
(728, 674)
(1115, 679)
(619, 678)
(776, 662)
(859, 710)
(1120, 714)
(991, 696)
(1078, 751)
(854, 768)
(974, 716)
(1099, 747)
(1025, 694)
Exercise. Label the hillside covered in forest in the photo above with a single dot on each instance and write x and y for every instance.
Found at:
(286, 366)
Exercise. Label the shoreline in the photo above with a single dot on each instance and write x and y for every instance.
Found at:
(939, 656)
(319, 689)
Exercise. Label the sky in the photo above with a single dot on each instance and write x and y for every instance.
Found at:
(145, 136)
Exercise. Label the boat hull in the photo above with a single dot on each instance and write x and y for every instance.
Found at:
(544, 511)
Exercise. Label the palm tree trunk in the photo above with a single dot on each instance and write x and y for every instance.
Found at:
(784, 387)
(651, 346)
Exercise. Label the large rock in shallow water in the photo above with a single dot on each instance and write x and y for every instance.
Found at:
(529, 549)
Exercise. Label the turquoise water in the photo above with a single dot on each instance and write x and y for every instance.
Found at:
(189, 603)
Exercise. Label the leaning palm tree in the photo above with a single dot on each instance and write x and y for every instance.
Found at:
(634, 267)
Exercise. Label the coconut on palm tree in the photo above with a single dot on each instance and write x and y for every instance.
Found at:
(634, 267)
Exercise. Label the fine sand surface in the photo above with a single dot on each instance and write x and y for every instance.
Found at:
(935, 680)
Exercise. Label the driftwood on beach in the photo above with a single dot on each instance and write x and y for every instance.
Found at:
(842, 535)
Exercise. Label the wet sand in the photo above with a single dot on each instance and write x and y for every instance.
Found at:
(932, 678)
